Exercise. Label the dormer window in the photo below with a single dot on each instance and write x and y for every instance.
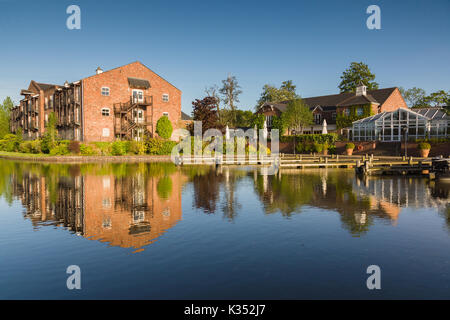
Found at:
(105, 91)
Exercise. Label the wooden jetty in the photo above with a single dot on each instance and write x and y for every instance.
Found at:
(431, 168)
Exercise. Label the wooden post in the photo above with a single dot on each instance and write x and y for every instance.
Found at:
(410, 161)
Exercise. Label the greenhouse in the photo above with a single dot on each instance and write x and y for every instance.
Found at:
(401, 123)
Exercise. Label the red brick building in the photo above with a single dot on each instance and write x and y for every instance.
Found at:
(125, 102)
(361, 103)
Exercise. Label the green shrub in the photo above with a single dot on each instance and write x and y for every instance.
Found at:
(74, 147)
(30, 147)
(350, 146)
(318, 147)
(25, 147)
(164, 127)
(59, 150)
(304, 147)
(102, 148)
(87, 150)
(138, 147)
(119, 148)
(332, 149)
(424, 146)
(10, 143)
(158, 146)
(330, 138)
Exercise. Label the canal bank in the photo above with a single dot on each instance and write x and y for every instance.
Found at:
(16, 156)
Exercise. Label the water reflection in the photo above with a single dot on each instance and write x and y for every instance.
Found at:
(128, 206)
(131, 205)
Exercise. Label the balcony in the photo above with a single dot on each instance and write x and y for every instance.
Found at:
(141, 100)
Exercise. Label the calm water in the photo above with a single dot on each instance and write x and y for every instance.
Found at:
(157, 231)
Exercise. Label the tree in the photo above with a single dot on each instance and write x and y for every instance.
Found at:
(297, 115)
(439, 98)
(5, 116)
(230, 92)
(244, 118)
(51, 134)
(414, 96)
(278, 123)
(164, 127)
(258, 120)
(273, 94)
(205, 110)
(352, 77)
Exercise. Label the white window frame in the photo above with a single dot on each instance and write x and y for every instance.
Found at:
(166, 114)
(105, 91)
(139, 95)
(165, 97)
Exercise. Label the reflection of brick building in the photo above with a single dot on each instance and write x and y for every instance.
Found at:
(127, 212)
(125, 102)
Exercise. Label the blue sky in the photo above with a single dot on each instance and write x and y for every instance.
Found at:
(194, 44)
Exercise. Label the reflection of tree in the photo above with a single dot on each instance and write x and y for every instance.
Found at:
(164, 187)
(206, 190)
(286, 193)
(230, 205)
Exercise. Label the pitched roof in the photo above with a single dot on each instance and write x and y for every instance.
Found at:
(432, 113)
(46, 86)
(185, 116)
(138, 83)
(341, 99)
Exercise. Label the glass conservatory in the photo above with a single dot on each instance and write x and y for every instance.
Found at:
(395, 125)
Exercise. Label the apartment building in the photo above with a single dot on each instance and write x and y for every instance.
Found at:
(121, 103)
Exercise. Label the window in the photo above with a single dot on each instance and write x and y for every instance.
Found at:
(138, 95)
(346, 112)
(165, 97)
(269, 121)
(333, 116)
(106, 203)
(359, 111)
(166, 114)
(105, 91)
(105, 132)
(105, 112)
(317, 118)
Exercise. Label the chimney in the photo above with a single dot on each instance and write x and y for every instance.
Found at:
(66, 84)
(361, 90)
(99, 70)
